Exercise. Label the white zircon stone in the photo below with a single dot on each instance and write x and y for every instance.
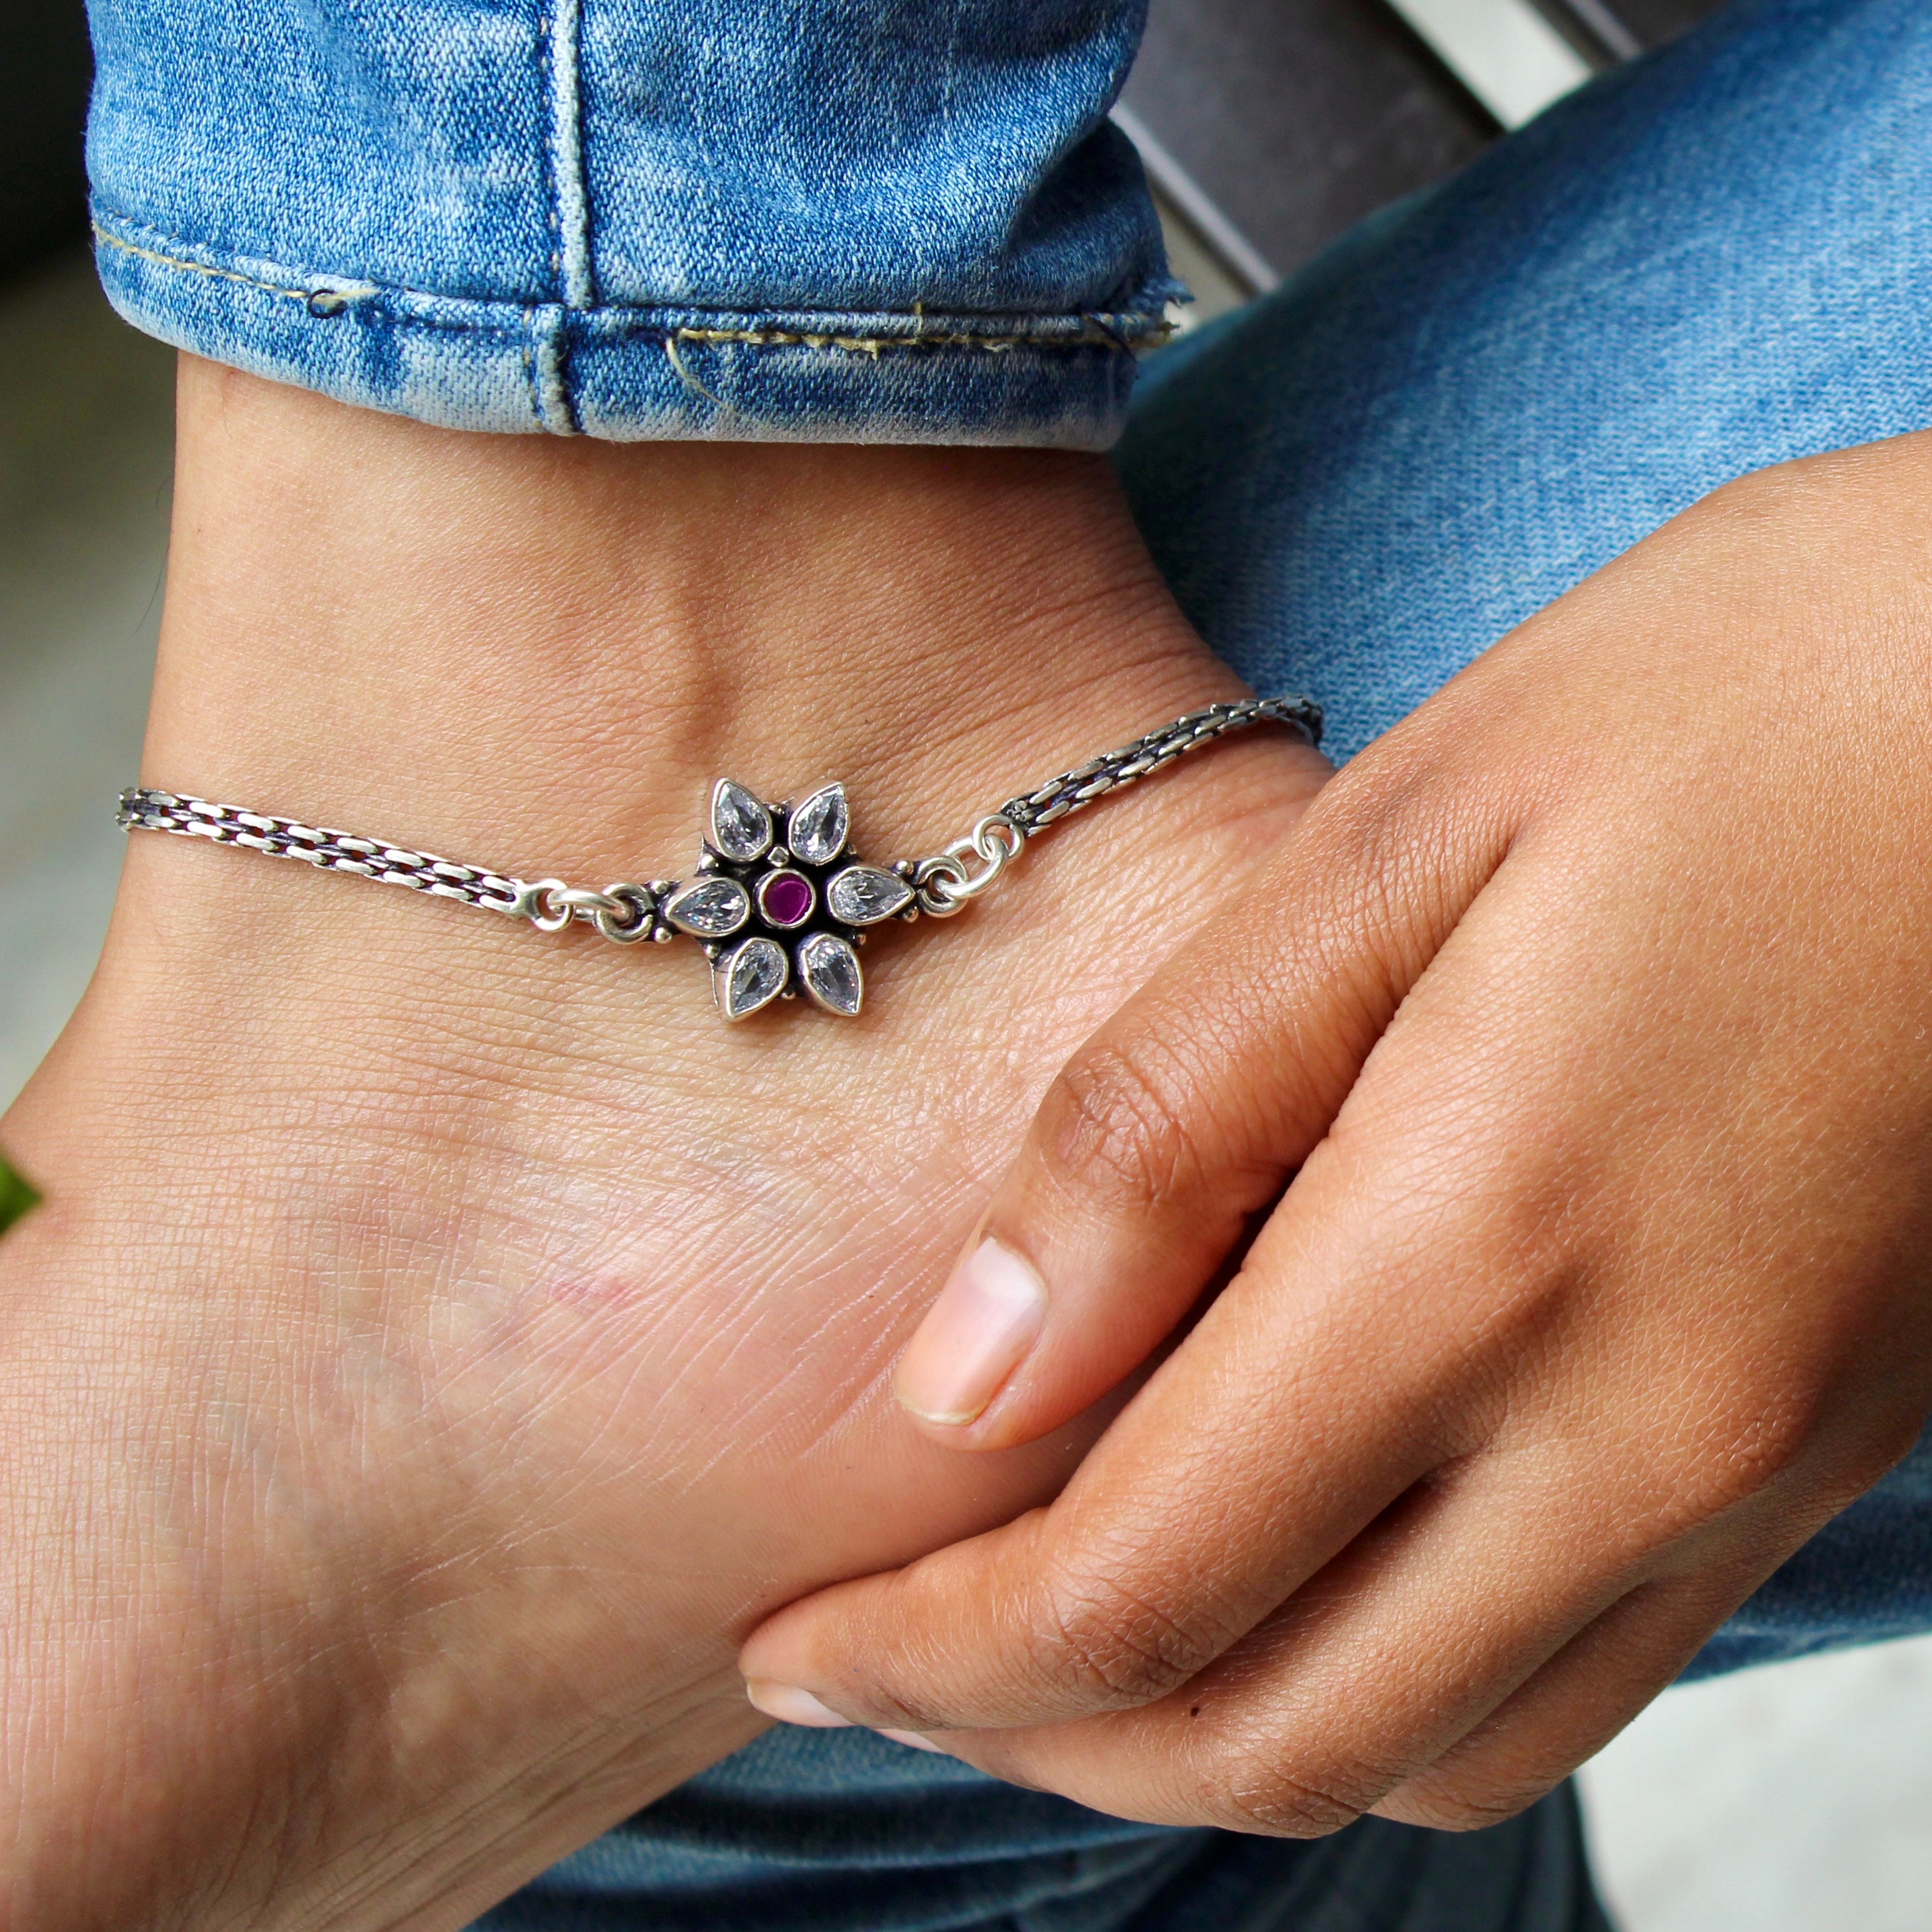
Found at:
(864, 894)
(741, 827)
(819, 827)
(830, 968)
(709, 908)
(751, 976)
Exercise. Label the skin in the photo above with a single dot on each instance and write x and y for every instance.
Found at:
(442, 1343)
(1588, 1014)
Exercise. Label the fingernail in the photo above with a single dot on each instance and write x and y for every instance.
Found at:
(912, 1740)
(791, 1705)
(973, 1338)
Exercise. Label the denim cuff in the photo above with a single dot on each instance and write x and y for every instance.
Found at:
(636, 373)
(828, 221)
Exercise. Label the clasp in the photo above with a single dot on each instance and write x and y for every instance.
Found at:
(946, 884)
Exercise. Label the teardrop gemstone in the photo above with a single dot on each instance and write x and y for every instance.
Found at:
(751, 976)
(830, 968)
(741, 827)
(709, 908)
(818, 829)
(864, 894)
(786, 899)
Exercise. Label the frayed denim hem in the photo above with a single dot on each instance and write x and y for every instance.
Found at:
(635, 374)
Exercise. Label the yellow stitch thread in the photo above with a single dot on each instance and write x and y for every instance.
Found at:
(340, 297)
(197, 268)
(876, 345)
(684, 374)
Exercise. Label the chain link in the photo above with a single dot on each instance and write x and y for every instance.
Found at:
(148, 810)
(1074, 790)
(944, 884)
(625, 912)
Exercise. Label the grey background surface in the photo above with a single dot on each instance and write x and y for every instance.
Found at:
(1297, 118)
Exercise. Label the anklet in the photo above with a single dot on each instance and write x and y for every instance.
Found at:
(777, 894)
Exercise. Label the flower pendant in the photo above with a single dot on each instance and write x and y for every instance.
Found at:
(780, 902)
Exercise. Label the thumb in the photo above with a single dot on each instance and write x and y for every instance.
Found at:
(1186, 1113)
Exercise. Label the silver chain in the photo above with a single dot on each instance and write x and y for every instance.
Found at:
(944, 883)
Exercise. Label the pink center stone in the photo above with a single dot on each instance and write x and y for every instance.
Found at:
(786, 899)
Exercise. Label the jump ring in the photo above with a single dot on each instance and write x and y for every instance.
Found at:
(991, 852)
(961, 850)
(937, 881)
(643, 907)
(998, 841)
(536, 898)
(583, 902)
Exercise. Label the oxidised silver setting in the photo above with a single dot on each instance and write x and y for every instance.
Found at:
(747, 902)
(783, 860)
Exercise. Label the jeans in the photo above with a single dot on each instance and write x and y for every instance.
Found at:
(1713, 261)
(843, 1831)
(872, 220)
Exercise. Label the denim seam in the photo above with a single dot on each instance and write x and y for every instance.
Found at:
(876, 345)
(570, 213)
(1098, 331)
(347, 290)
(549, 363)
(304, 295)
(546, 361)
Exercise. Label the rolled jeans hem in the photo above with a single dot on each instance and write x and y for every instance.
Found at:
(634, 373)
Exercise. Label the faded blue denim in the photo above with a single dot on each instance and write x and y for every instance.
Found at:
(843, 1831)
(1715, 261)
(878, 221)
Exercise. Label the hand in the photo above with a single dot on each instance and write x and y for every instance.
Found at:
(1589, 1014)
(441, 1343)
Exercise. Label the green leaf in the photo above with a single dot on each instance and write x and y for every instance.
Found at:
(16, 1196)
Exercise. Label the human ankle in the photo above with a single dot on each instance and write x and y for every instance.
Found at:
(432, 635)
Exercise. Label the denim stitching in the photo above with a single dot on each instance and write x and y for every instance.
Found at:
(357, 291)
(196, 267)
(557, 60)
(684, 376)
(569, 201)
(555, 408)
(874, 346)
(1097, 333)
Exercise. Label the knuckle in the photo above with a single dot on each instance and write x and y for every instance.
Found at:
(1113, 1122)
(1466, 1805)
(1763, 494)
(1751, 1438)
(1265, 1798)
(1113, 1648)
